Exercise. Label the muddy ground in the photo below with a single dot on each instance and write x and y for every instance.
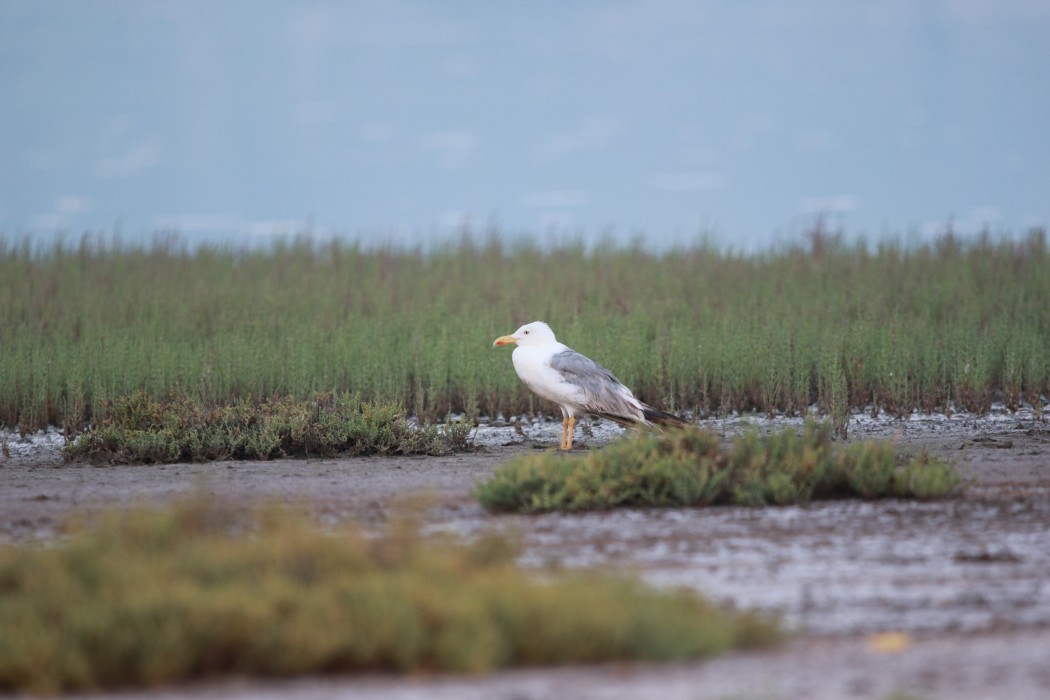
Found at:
(967, 581)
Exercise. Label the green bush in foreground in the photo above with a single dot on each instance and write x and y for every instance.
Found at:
(141, 430)
(146, 598)
(690, 468)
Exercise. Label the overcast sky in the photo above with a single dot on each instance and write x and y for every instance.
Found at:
(400, 120)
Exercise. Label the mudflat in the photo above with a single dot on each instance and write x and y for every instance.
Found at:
(946, 599)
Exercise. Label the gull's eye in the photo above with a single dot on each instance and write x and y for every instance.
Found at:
(526, 332)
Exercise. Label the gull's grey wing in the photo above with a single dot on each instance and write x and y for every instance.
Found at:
(605, 394)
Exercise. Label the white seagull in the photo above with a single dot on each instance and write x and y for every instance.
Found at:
(576, 383)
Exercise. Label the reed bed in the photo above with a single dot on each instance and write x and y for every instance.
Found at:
(936, 327)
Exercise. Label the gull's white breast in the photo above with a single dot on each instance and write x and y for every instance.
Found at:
(532, 363)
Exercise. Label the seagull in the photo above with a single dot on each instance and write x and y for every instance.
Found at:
(578, 384)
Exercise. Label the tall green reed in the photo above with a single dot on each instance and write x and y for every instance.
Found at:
(895, 327)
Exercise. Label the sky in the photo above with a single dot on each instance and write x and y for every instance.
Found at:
(402, 120)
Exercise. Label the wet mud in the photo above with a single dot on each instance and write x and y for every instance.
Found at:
(963, 584)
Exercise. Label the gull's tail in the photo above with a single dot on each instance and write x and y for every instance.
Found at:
(663, 419)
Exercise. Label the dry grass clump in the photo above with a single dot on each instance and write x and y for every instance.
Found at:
(690, 468)
(139, 429)
(149, 598)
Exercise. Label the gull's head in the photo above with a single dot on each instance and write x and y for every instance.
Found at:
(535, 333)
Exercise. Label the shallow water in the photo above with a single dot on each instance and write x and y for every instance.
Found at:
(862, 424)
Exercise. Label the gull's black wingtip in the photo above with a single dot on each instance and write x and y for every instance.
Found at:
(664, 419)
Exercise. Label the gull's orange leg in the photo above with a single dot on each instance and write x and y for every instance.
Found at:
(572, 430)
(564, 427)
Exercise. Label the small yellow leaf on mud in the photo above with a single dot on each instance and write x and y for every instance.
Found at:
(889, 642)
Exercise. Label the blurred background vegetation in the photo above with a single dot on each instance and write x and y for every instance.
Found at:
(938, 327)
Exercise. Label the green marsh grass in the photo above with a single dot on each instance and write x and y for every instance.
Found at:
(691, 468)
(200, 590)
(898, 328)
(139, 429)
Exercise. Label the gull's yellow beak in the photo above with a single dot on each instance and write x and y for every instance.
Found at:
(503, 340)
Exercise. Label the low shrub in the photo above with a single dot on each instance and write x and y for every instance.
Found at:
(691, 468)
(153, 597)
(140, 429)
